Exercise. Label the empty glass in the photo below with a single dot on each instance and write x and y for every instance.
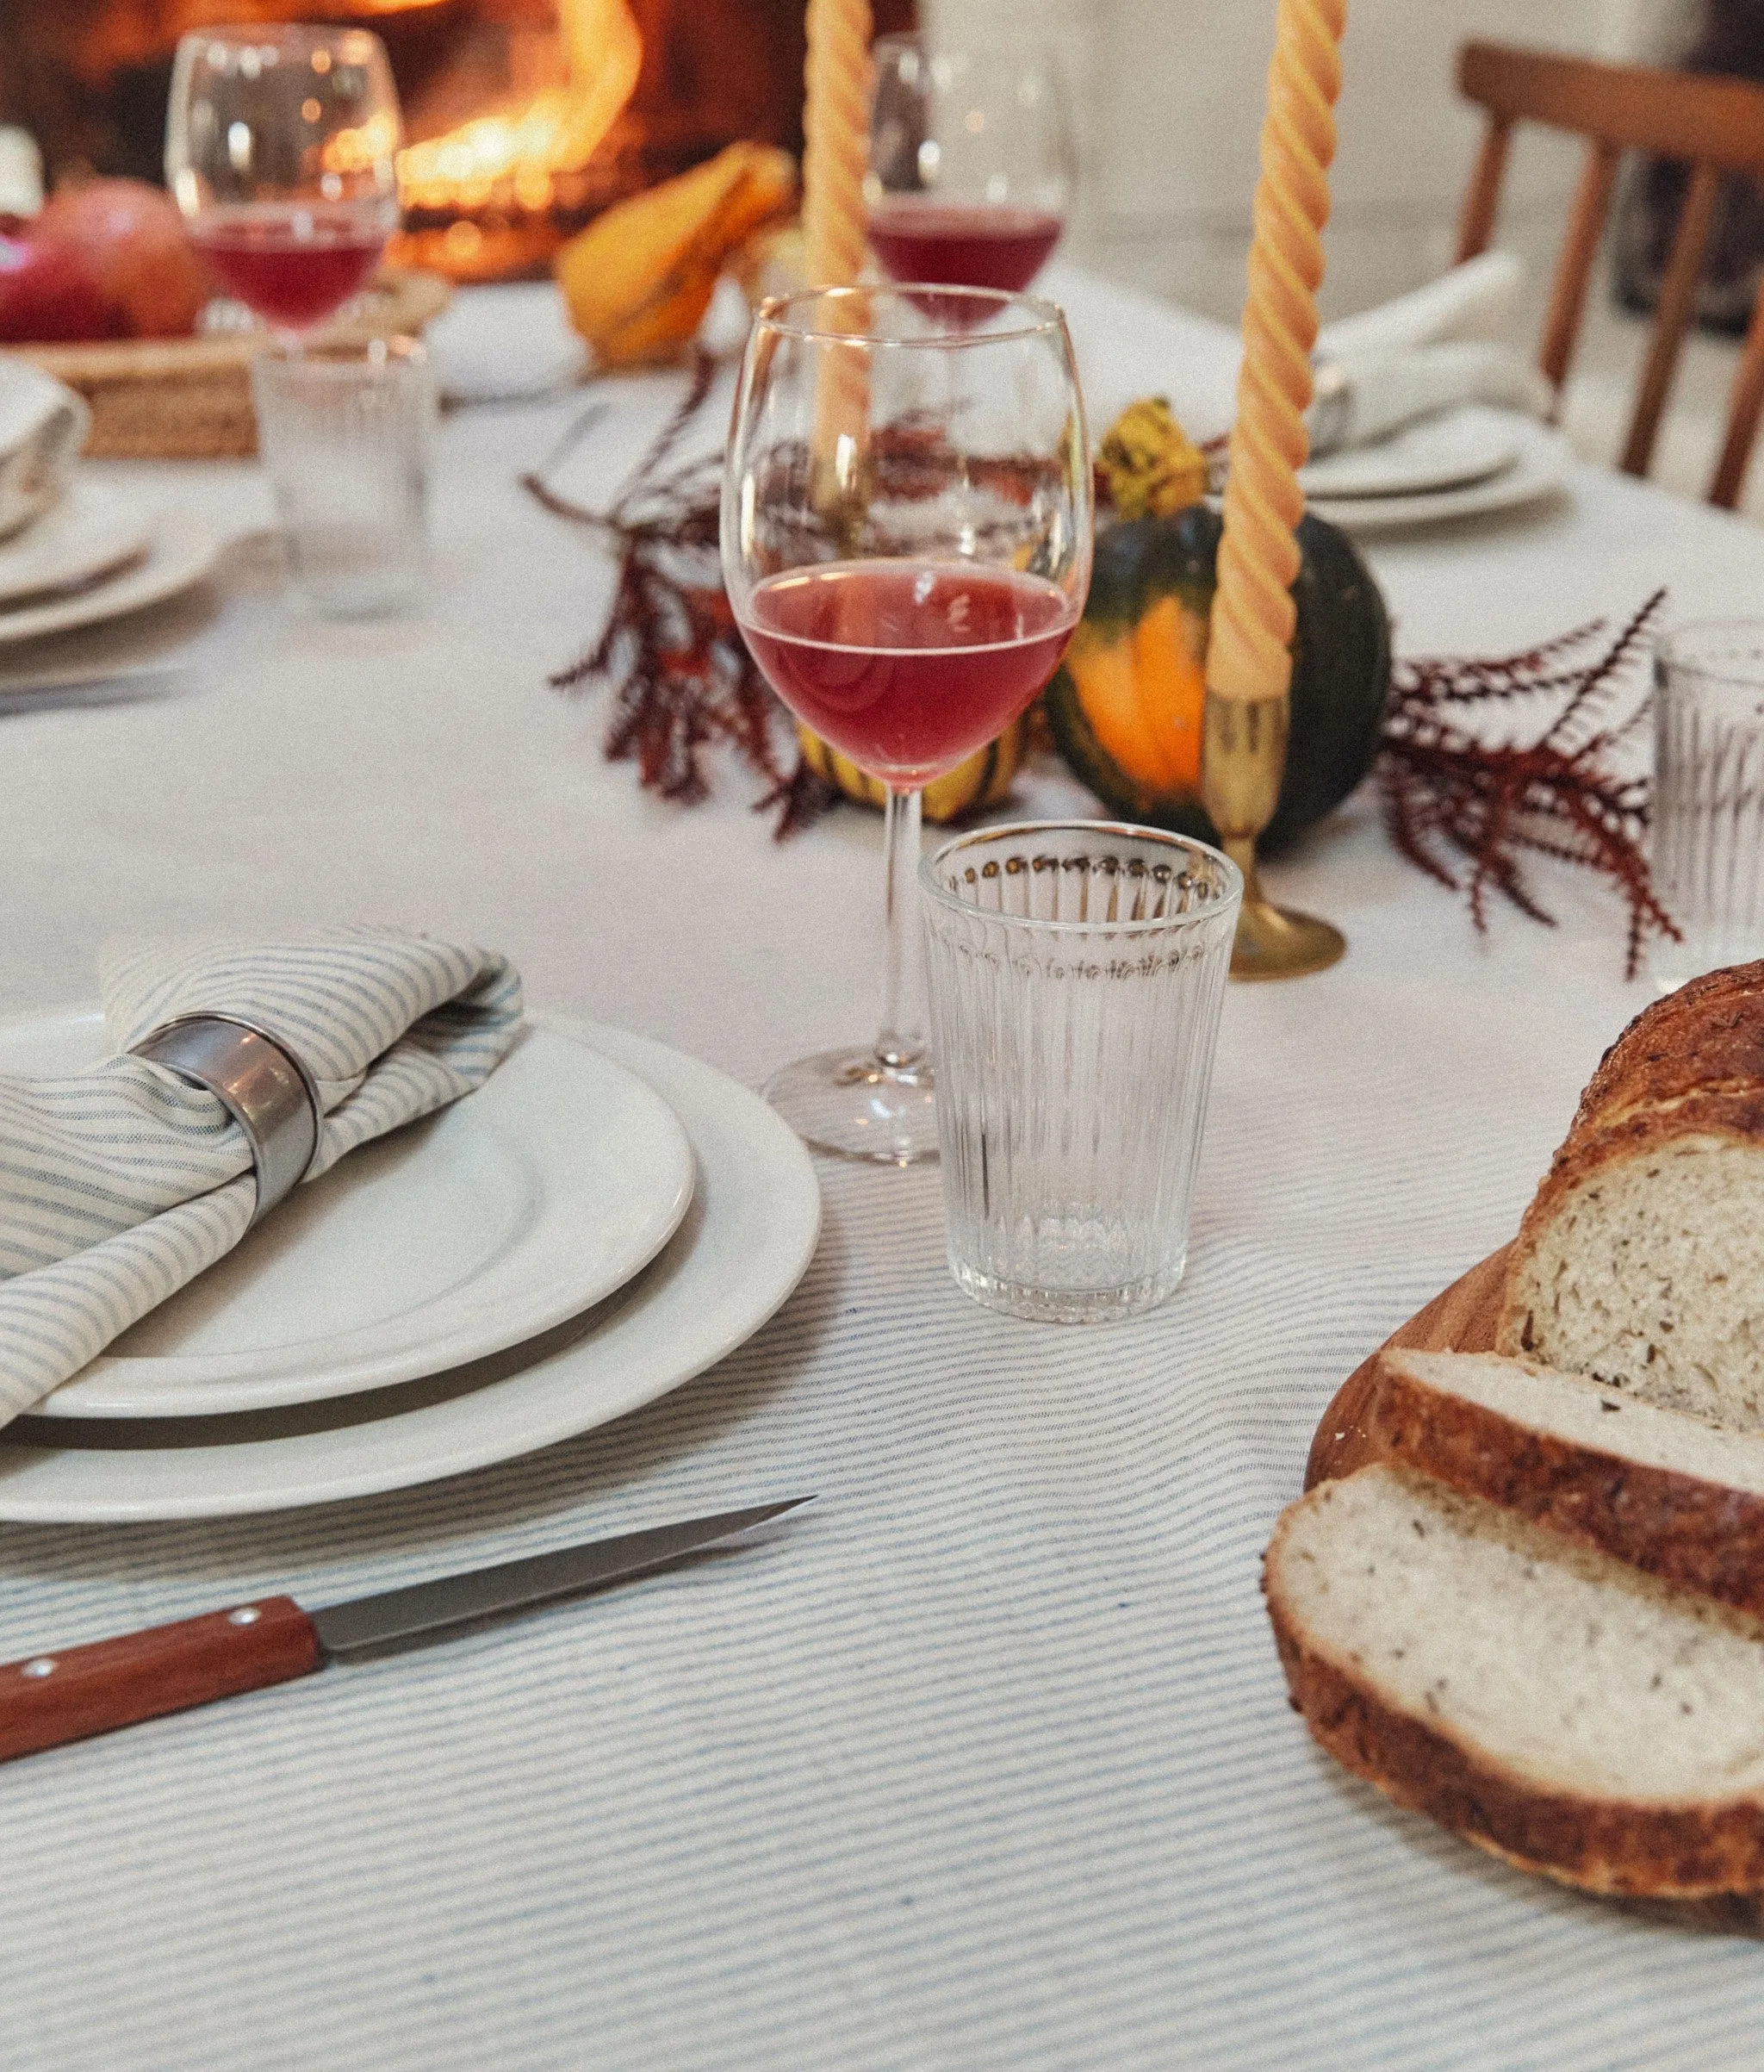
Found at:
(345, 432)
(1077, 971)
(1709, 795)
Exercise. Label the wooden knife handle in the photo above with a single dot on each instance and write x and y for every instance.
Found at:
(65, 1695)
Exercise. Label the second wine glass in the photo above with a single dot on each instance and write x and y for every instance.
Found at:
(280, 149)
(906, 546)
(971, 161)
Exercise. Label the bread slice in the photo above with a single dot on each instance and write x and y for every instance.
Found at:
(1641, 1260)
(1542, 1700)
(1670, 1493)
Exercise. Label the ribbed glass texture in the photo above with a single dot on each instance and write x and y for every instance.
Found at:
(1075, 976)
(1708, 796)
(345, 432)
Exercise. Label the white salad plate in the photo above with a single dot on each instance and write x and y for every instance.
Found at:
(522, 1204)
(1541, 470)
(741, 1249)
(86, 534)
(179, 550)
(1446, 451)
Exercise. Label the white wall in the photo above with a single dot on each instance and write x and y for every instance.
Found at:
(1170, 97)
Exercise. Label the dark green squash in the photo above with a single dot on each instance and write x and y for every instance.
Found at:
(1125, 708)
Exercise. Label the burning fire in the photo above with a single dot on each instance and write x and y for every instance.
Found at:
(517, 154)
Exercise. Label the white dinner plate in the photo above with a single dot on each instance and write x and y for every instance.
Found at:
(743, 1246)
(180, 551)
(86, 534)
(475, 1229)
(1541, 470)
(1448, 451)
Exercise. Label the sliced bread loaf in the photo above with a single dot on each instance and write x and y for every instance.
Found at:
(1641, 1260)
(1671, 1493)
(1548, 1702)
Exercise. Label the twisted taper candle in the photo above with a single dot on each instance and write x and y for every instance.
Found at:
(835, 130)
(1249, 641)
(1249, 644)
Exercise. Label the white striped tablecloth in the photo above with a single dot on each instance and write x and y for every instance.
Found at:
(982, 1761)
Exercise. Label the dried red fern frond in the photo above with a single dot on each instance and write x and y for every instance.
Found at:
(670, 651)
(1451, 798)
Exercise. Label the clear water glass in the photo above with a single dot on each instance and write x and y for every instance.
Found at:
(1077, 971)
(345, 432)
(1708, 837)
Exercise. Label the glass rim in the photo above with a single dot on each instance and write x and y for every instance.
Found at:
(993, 43)
(1049, 317)
(284, 35)
(338, 359)
(1162, 837)
(1666, 656)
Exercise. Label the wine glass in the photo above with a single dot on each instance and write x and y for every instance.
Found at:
(281, 144)
(971, 161)
(906, 547)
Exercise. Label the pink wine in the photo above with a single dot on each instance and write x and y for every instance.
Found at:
(963, 245)
(294, 266)
(907, 666)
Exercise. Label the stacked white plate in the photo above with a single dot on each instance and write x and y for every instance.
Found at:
(94, 555)
(602, 1221)
(1458, 465)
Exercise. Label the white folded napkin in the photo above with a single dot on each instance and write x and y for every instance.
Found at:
(1424, 353)
(119, 1185)
(42, 427)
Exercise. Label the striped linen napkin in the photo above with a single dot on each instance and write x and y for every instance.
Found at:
(119, 1185)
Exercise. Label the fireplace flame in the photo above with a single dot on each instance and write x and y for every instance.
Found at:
(520, 151)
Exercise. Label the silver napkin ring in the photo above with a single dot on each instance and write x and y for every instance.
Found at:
(263, 1086)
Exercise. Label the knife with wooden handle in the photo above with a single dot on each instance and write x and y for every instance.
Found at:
(49, 1698)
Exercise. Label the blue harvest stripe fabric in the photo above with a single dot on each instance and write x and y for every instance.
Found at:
(119, 1185)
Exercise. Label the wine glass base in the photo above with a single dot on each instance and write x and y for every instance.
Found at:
(1274, 943)
(848, 1102)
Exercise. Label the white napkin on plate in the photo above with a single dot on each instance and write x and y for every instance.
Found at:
(42, 427)
(119, 1185)
(1424, 353)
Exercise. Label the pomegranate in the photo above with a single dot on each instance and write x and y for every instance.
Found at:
(50, 294)
(133, 236)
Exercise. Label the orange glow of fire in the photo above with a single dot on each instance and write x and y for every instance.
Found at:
(523, 149)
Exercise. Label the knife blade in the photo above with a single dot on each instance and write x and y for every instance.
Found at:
(51, 1698)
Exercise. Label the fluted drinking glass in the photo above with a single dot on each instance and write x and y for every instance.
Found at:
(1077, 970)
(1708, 836)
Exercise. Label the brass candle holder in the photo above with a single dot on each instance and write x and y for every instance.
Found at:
(1243, 759)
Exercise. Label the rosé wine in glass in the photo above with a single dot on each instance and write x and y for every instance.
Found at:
(293, 266)
(963, 245)
(907, 667)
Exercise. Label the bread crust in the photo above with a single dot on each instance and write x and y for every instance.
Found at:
(1710, 1033)
(1607, 1847)
(1699, 1535)
(1689, 1065)
(1461, 1319)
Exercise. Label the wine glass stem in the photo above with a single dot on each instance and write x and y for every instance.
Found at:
(900, 1044)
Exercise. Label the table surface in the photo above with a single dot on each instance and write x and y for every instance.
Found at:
(986, 1760)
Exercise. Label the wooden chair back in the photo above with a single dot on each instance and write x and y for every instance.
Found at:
(1714, 125)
